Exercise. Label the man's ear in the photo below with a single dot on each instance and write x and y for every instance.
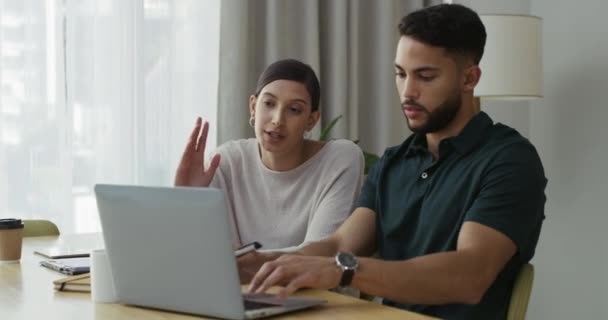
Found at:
(252, 101)
(313, 119)
(471, 78)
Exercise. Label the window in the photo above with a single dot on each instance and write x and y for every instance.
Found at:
(99, 91)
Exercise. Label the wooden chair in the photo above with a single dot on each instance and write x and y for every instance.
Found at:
(39, 228)
(520, 296)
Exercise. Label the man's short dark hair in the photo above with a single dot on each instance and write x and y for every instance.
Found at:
(454, 27)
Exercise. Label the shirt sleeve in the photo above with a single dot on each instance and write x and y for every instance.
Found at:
(367, 198)
(512, 198)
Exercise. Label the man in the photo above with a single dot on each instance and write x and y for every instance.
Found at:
(454, 211)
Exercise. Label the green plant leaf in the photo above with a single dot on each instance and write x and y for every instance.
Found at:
(327, 129)
(370, 160)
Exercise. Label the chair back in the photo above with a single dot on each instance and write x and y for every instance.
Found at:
(521, 293)
(39, 228)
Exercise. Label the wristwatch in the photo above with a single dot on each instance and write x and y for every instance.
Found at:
(348, 263)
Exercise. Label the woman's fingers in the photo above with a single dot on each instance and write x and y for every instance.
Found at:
(191, 170)
(194, 134)
(192, 142)
(202, 139)
(213, 164)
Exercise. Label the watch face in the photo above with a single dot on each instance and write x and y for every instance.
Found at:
(347, 259)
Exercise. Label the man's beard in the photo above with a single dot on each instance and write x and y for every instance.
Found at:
(439, 118)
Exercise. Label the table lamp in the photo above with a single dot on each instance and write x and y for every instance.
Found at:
(512, 65)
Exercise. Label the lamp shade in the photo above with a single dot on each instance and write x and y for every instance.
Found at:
(512, 66)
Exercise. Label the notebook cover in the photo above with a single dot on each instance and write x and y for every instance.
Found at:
(81, 283)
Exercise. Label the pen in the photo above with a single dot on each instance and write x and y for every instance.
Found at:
(247, 248)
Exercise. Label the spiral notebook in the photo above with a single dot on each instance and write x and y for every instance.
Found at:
(71, 266)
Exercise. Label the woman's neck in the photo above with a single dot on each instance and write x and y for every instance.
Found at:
(287, 160)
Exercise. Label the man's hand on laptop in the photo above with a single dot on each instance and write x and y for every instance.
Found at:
(251, 262)
(296, 271)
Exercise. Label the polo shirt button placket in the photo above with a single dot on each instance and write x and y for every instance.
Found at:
(424, 175)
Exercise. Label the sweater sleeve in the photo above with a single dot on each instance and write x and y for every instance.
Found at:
(222, 180)
(343, 169)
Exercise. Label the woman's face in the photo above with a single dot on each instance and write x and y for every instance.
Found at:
(283, 113)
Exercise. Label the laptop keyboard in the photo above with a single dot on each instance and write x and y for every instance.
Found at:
(254, 305)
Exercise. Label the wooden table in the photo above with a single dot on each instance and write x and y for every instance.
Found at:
(26, 292)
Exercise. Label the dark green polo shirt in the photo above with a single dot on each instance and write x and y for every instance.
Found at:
(488, 174)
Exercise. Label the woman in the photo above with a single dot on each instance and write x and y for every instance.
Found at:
(282, 190)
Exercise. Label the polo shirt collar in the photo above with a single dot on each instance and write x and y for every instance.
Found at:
(417, 145)
(470, 136)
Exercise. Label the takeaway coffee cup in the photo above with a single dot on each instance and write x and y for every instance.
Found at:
(11, 237)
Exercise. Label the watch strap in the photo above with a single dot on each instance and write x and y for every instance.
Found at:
(347, 277)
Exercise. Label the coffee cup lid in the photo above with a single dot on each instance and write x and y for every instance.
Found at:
(11, 224)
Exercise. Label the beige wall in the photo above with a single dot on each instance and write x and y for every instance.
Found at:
(568, 127)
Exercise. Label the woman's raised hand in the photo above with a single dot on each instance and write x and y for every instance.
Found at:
(191, 171)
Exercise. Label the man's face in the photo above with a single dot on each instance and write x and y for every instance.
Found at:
(428, 82)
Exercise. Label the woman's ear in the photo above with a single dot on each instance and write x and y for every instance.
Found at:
(252, 101)
(313, 119)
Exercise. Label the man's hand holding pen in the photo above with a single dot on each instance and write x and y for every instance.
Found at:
(247, 248)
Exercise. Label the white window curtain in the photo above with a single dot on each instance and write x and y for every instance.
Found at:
(99, 91)
(349, 43)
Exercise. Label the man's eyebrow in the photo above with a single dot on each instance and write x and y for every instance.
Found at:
(300, 100)
(426, 68)
(419, 69)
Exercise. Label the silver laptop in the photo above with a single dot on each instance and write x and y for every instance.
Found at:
(171, 249)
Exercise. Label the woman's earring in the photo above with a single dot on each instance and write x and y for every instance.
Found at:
(307, 135)
(252, 121)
